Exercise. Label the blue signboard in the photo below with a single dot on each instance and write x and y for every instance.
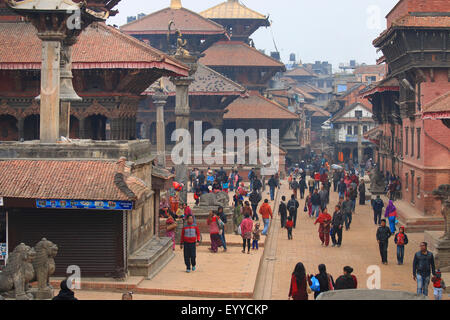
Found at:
(84, 204)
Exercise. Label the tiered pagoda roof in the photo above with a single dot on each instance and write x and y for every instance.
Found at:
(99, 47)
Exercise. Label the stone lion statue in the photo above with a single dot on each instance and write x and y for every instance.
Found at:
(214, 199)
(44, 267)
(377, 181)
(18, 272)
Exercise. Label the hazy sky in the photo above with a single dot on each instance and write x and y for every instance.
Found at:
(326, 30)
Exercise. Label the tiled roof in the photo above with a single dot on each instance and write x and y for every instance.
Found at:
(311, 89)
(187, 21)
(257, 107)
(206, 82)
(71, 180)
(236, 53)
(304, 93)
(438, 108)
(389, 84)
(300, 72)
(232, 9)
(316, 111)
(99, 47)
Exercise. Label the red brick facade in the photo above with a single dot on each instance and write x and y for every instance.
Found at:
(404, 7)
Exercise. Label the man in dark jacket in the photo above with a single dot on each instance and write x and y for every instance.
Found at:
(255, 197)
(257, 184)
(423, 267)
(353, 193)
(272, 185)
(315, 201)
(346, 209)
(292, 207)
(383, 235)
(294, 186)
(342, 187)
(302, 187)
(282, 211)
(336, 178)
(377, 206)
(336, 224)
(323, 194)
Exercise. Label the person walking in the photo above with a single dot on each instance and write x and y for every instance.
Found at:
(362, 192)
(299, 288)
(311, 185)
(266, 213)
(292, 207)
(337, 223)
(289, 226)
(324, 221)
(294, 187)
(383, 235)
(325, 280)
(223, 218)
(272, 185)
(377, 206)
(336, 179)
(256, 236)
(323, 194)
(353, 194)
(347, 211)
(190, 238)
(316, 202)
(423, 267)
(401, 240)
(255, 197)
(438, 285)
(238, 215)
(308, 204)
(342, 188)
(282, 211)
(346, 281)
(246, 232)
(214, 231)
(302, 187)
(391, 214)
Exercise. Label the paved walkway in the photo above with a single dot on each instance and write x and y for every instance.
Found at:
(359, 250)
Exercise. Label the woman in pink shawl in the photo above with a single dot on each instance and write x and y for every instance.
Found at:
(246, 232)
(391, 214)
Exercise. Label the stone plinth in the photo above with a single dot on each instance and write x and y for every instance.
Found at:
(78, 149)
(151, 258)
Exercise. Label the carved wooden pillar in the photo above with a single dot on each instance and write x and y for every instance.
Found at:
(82, 129)
(20, 123)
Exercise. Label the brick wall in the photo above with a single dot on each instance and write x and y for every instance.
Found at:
(8, 129)
(403, 7)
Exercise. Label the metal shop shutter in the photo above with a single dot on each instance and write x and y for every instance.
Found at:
(92, 240)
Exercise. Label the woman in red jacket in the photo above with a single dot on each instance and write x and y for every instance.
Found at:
(299, 289)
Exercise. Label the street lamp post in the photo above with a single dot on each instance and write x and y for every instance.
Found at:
(358, 115)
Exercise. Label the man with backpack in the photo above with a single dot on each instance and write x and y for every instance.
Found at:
(377, 206)
(272, 185)
(255, 197)
(294, 187)
(302, 187)
(292, 207)
(251, 177)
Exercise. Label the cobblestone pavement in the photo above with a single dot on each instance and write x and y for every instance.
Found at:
(359, 250)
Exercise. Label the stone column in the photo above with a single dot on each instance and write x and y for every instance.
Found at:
(82, 129)
(50, 86)
(443, 246)
(159, 100)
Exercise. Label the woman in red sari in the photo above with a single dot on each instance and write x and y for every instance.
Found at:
(299, 289)
(324, 220)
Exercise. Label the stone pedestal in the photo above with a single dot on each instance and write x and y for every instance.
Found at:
(159, 100)
(442, 255)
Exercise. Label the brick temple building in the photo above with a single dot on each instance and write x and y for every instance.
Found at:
(410, 105)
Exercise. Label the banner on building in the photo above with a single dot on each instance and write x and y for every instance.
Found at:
(84, 204)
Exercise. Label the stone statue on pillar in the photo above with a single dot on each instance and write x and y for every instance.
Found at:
(443, 247)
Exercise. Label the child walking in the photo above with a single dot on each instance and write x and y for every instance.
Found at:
(190, 238)
(401, 240)
(289, 226)
(438, 284)
(256, 236)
